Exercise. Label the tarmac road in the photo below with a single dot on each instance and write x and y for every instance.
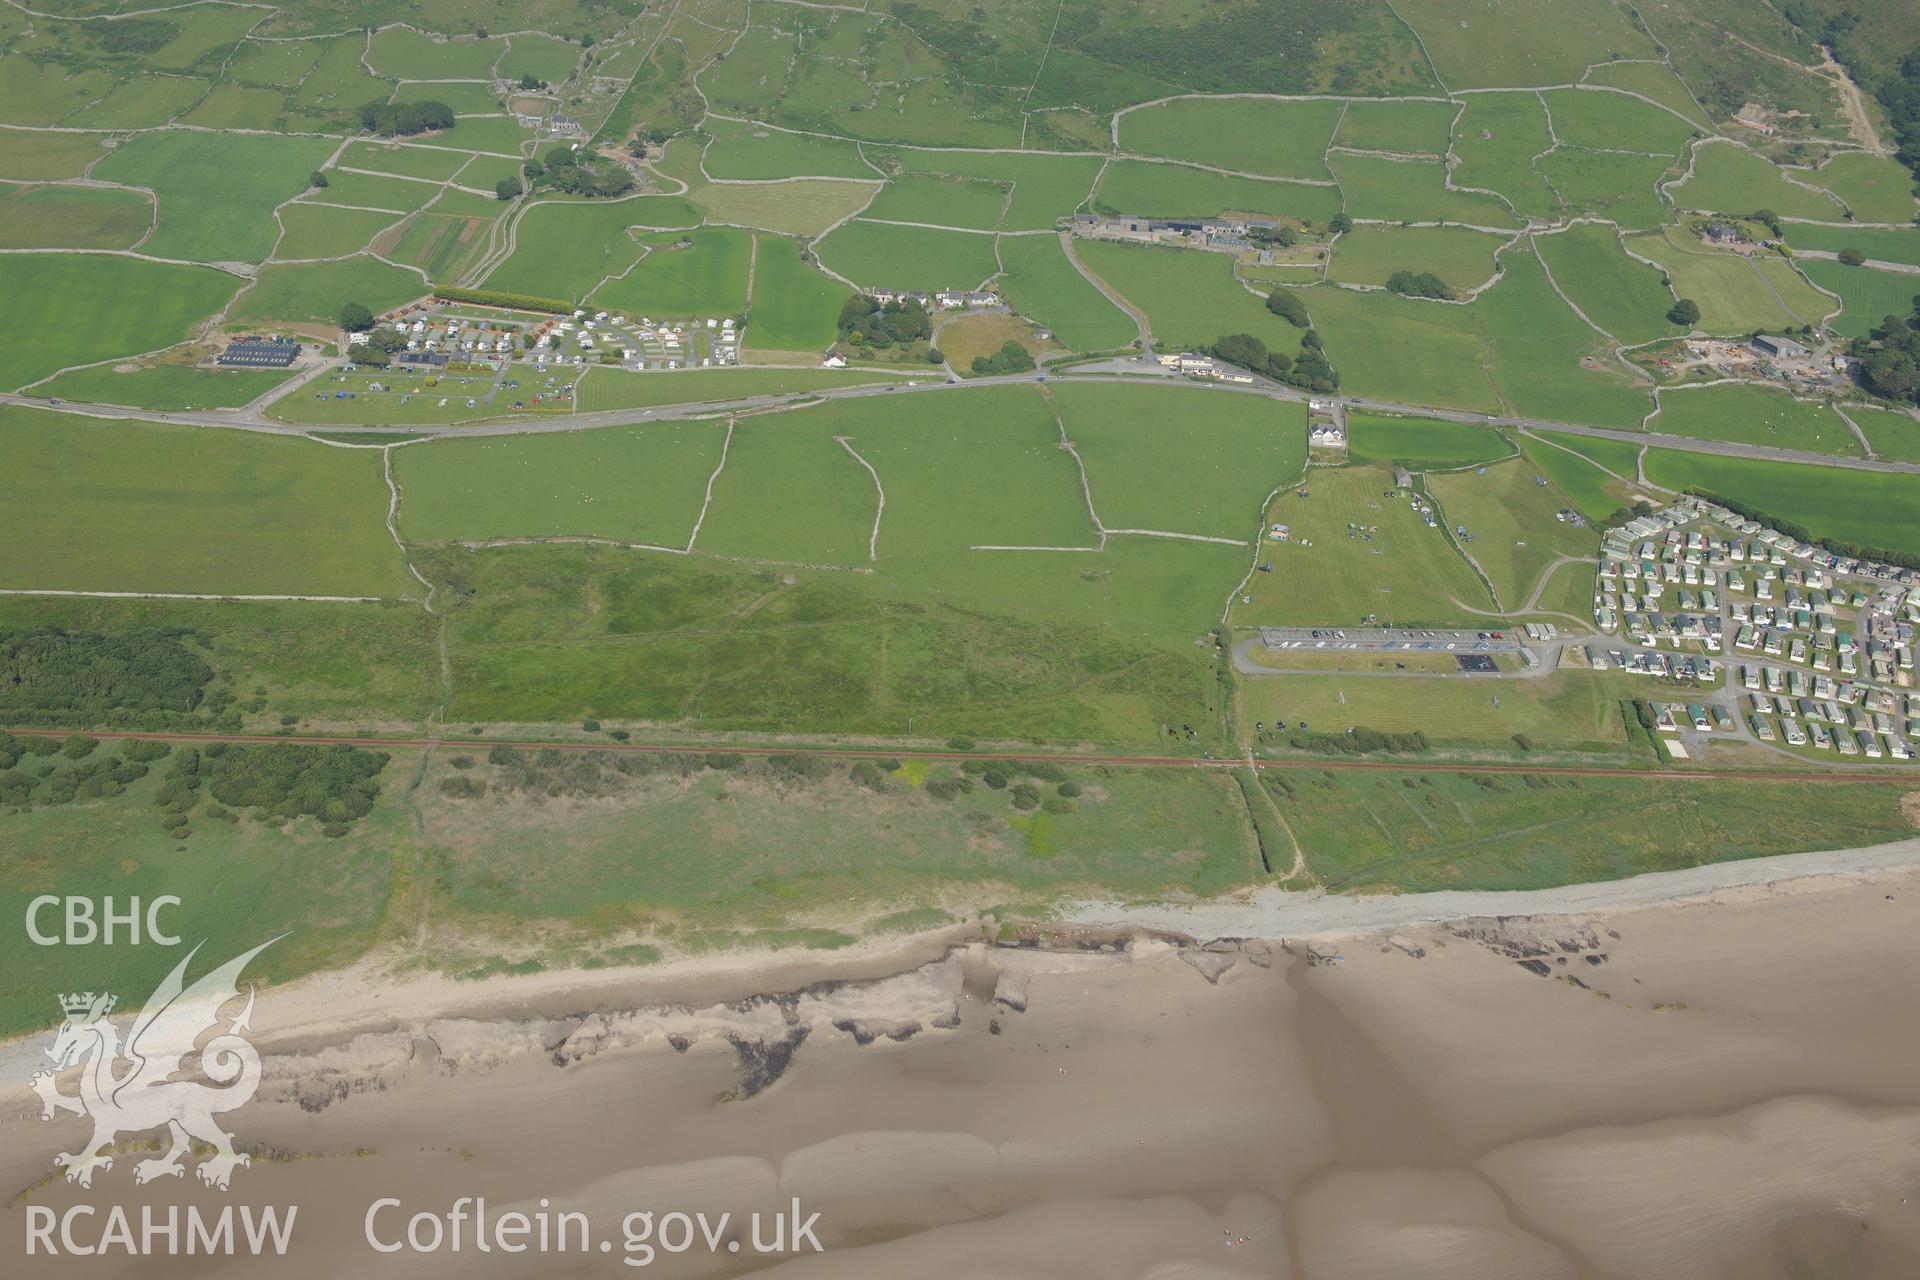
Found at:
(246, 421)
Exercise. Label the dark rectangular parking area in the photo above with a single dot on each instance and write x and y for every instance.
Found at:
(1474, 662)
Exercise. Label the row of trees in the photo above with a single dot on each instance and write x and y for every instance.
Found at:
(1423, 284)
(399, 119)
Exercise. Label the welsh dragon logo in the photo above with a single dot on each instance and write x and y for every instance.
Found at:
(149, 1082)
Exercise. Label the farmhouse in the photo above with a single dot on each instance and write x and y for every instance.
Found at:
(260, 353)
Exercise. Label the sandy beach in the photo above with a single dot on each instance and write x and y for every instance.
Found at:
(1689, 1079)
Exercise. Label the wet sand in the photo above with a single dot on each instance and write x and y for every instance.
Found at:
(1711, 1089)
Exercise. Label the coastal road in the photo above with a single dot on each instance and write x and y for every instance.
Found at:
(245, 421)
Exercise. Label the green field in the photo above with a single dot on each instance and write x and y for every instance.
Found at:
(1869, 296)
(90, 307)
(684, 273)
(1620, 295)
(42, 93)
(498, 135)
(1510, 517)
(1045, 188)
(1546, 361)
(321, 231)
(142, 103)
(409, 162)
(371, 191)
(1892, 435)
(1618, 188)
(35, 155)
(1568, 711)
(541, 57)
(604, 388)
(233, 107)
(68, 217)
(1754, 415)
(165, 386)
(1497, 139)
(566, 248)
(1388, 190)
(1871, 508)
(631, 484)
(1463, 259)
(216, 191)
(794, 307)
(442, 245)
(1877, 243)
(1737, 294)
(1417, 832)
(1653, 79)
(1407, 127)
(297, 293)
(826, 501)
(1190, 298)
(801, 207)
(1180, 459)
(1352, 551)
(1148, 189)
(1586, 484)
(1487, 44)
(741, 151)
(1615, 122)
(1421, 443)
(877, 256)
(337, 82)
(1041, 283)
(408, 55)
(243, 513)
(1729, 179)
(941, 201)
(1875, 188)
(1248, 135)
(1405, 351)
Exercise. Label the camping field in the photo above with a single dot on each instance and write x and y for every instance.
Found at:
(244, 514)
(1511, 518)
(1354, 551)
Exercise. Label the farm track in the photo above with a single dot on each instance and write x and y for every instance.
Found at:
(1857, 773)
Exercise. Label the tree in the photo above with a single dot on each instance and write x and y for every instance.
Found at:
(530, 81)
(586, 42)
(1340, 224)
(355, 318)
(316, 179)
(1423, 284)
(506, 188)
(1852, 257)
(1011, 358)
(1685, 312)
(1286, 304)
